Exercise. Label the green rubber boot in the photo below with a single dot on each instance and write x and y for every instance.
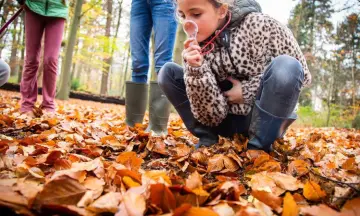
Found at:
(135, 102)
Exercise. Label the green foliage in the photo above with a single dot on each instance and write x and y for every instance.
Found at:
(339, 117)
(356, 122)
(75, 84)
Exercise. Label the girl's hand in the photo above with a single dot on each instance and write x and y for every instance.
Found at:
(192, 53)
(235, 94)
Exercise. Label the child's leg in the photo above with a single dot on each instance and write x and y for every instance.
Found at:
(54, 29)
(171, 81)
(273, 111)
(33, 33)
(163, 16)
(4, 72)
(140, 30)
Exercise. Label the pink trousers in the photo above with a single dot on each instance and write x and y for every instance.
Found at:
(35, 27)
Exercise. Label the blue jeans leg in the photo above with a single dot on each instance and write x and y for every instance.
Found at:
(140, 31)
(273, 111)
(281, 86)
(145, 16)
(163, 16)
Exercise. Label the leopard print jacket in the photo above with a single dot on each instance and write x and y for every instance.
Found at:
(253, 45)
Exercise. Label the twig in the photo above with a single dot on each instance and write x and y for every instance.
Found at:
(350, 185)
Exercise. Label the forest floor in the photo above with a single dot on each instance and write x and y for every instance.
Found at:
(84, 160)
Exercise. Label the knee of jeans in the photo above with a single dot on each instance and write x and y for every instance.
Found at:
(287, 70)
(165, 74)
(50, 61)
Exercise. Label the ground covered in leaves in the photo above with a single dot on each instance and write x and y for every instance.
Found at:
(85, 161)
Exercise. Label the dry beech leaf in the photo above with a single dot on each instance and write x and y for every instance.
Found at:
(78, 175)
(129, 182)
(155, 176)
(290, 206)
(194, 181)
(161, 196)
(133, 203)
(130, 160)
(216, 163)
(352, 207)
(312, 191)
(322, 210)
(195, 211)
(264, 209)
(223, 209)
(286, 182)
(106, 203)
(199, 157)
(94, 184)
(298, 168)
(269, 199)
(61, 191)
(7, 194)
(230, 164)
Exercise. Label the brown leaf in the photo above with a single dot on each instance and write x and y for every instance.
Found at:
(107, 203)
(156, 176)
(223, 209)
(94, 184)
(134, 175)
(161, 196)
(269, 199)
(216, 163)
(130, 160)
(53, 156)
(286, 182)
(298, 168)
(195, 211)
(230, 164)
(194, 181)
(199, 157)
(261, 159)
(61, 191)
(350, 165)
(180, 150)
(312, 191)
(352, 207)
(290, 206)
(322, 210)
(7, 194)
(133, 204)
(180, 211)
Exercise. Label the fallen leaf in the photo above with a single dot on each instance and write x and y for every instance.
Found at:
(351, 207)
(322, 210)
(106, 203)
(298, 168)
(129, 182)
(61, 191)
(130, 160)
(216, 163)
(194, 181)
(290, 206)
(312, 191)
(223, 209)
(133, 204)
(269, 199)
(7, 194)
(161, 196)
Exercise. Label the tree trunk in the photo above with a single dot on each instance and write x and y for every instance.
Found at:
(23, 47)
(14, 50)
(64, 91)
(153, 75)
(179, 44)
(107, 65)
(125, 73)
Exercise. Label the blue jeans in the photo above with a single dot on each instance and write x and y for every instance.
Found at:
(145, 16)
(278, 94)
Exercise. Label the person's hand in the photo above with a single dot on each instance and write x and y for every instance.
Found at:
(21, 2)
(235, 94)
(192, 53)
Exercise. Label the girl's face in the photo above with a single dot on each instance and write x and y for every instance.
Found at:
(204, 14)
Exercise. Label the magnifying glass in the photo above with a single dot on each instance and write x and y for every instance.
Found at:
(191, 29)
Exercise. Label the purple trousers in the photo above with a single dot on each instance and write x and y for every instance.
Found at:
(35, 27)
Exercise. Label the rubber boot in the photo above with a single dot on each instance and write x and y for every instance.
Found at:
(135, 102)
(265, 128)
(159, 110)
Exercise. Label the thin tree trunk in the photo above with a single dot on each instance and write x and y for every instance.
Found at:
(23, 48)
(14, 49)
(64, 91)
(179, 45)
(107, 65)
(125, 73)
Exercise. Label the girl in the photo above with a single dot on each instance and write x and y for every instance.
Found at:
(242, 74)
(46, 18)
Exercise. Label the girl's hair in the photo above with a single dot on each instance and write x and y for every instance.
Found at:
(218, 3)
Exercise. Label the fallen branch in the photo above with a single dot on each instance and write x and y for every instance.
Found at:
(350, 185)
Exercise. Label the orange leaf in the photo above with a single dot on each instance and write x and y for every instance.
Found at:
(312, 191)
(180, 211)
(130, 160)
(261, 160)
(298, 168)
(194, 181)
(53, 156)
(216, 163)
(194, 211)
(161, 196)
(134, 175)
(290, 206)
(129, 182)
(350, 164)
(352, 207)
(269, 199)
(322, 210)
